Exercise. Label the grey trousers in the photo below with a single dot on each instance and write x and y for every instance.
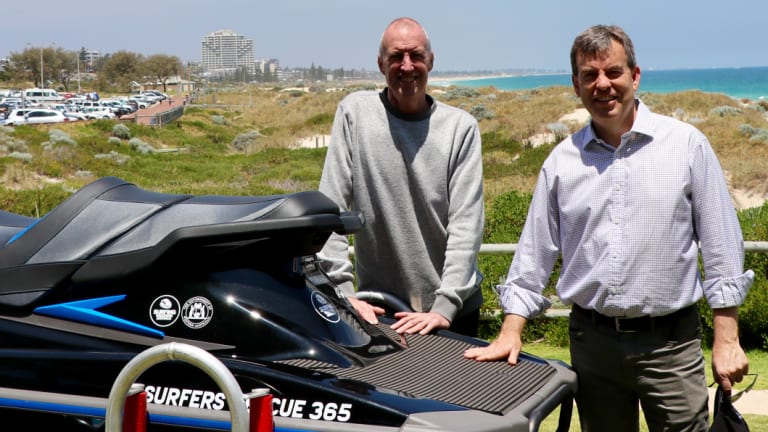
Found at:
(660, 370)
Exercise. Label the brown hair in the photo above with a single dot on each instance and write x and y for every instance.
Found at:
(597, 40)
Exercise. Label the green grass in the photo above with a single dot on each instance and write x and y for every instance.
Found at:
(756, 422)
(758, 360)
(758, 363)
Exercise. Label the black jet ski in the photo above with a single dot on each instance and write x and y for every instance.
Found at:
(116, 269)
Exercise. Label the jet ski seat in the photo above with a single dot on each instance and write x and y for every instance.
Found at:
(111, 227)
(82, 223)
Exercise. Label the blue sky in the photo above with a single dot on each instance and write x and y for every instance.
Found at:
(468, 36)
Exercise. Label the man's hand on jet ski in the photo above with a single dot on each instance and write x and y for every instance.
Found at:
(419, 322)
(507, 346)
(366, 310)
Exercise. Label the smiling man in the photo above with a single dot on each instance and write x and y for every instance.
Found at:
(626, 202)
(413, 167)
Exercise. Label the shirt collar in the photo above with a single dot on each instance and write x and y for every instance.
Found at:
(404, 116)
(641, 126)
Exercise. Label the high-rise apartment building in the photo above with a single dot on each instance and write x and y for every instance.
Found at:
(225, 52)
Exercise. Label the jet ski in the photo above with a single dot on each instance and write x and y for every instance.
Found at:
(116, 269)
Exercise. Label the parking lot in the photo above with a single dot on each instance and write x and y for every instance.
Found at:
(39, 106)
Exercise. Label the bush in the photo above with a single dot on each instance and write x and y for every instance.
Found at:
(480, 112)
(121, 131)
(725, 110)
(245, 141)
(141, 146)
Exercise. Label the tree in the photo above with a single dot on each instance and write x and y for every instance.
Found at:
(119, 69)
(56, 64)
(162, 67)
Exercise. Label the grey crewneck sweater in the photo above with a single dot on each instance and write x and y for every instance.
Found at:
(418, 182)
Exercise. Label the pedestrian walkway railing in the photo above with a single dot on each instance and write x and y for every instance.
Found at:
(510, 248)
(163, 118)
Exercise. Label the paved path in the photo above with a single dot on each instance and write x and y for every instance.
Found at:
(752, 402)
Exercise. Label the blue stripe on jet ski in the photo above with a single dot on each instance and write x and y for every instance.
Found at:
(52, 407)
(190, 422)
(85, 311)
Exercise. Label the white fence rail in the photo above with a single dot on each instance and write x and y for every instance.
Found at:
(509, 248)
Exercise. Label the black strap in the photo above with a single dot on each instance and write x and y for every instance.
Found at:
(727, 418)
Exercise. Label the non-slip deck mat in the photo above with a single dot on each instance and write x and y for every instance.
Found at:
(433, 367)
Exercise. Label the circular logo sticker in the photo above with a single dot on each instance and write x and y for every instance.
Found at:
(324, 307)
(164, 311)
(197, 312)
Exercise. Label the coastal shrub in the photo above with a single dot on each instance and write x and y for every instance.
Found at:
(141, 146)
(24, 157)
(115, 141)
(480, 112)
(245, 141)
(10, 144)
(754, 133)
(505, 219)
(552, 330)
(761, 136)
(725, 110)
(460, 93)
(57, 136)
(121, 131)
(218, 119)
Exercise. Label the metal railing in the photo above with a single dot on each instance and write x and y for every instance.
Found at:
(509, 248)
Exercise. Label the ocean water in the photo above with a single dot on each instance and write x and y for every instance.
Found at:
(749, 83)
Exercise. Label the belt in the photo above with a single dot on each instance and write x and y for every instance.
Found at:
(633, 325)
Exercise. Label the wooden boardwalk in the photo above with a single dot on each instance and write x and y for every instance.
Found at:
(147, 115)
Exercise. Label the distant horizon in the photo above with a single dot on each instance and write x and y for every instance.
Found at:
(564, 71)
(494, 35)
(743, 82)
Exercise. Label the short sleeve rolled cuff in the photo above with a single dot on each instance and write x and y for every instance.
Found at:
(728, 291)
(518, 301)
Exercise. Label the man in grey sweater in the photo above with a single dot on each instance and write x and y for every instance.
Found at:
(413, 167)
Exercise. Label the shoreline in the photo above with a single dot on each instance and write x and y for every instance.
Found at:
(662, 81)
(450, 80)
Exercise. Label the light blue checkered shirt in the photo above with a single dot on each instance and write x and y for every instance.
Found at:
(628, 223)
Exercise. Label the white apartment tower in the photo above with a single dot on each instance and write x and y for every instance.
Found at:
(225, 51)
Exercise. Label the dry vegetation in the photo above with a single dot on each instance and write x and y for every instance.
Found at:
(516, 116)
(519, 115)
(242, 121)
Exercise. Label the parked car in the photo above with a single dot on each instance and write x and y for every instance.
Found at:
(132, 103)
(119, 108)
(155, 93)
(75, 115)
(98, 112)
(141, 102)
(37, 95)
(23, 116)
